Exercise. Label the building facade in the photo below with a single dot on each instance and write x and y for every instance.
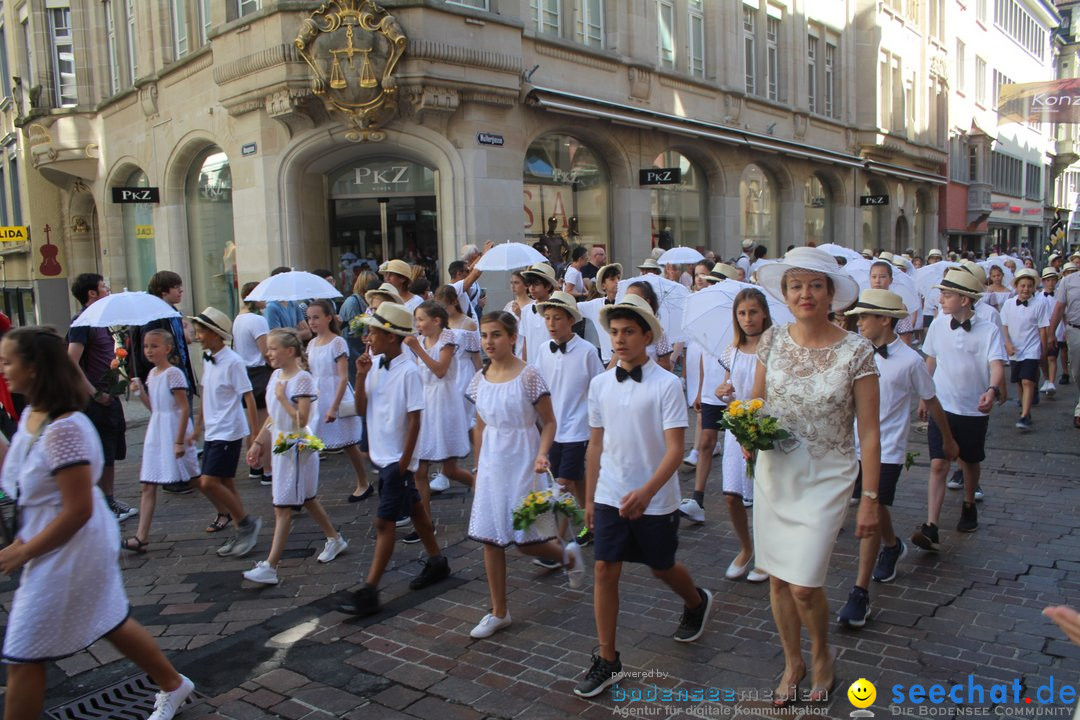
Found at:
(222, 138)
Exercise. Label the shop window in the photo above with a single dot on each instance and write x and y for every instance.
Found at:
(678, 209)
(758, 208)
(208, 195)
(139, 236)
(566, 192)
(817, 211)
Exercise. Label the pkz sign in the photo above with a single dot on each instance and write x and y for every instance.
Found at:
(660, 176)
(127, 195)
(865, 200)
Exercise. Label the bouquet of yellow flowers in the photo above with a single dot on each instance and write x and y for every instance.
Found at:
(539, 502)
(357, 328)
(303, 441)
(752, 429)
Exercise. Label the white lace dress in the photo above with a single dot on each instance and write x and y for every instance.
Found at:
(296, 474)
(323, 359)
(160, 466)
(742, 368)
(801, 489)
(468, 344)
(504, 474)
(444, 429)
(69, 598)
(693, 372)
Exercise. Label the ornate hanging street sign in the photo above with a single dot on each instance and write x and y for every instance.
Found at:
(353, 48)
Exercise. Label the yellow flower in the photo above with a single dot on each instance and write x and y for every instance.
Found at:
(735, 404)
(756, 405)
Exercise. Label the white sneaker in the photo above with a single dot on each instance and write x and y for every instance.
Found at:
(262, 573)
(690, 508)
(691, 459)
(1049, 388)
(489, 626)
(575, 576)
(404, 522)
(333, 548)
(167, 704)
(439, 483)
(718, 449)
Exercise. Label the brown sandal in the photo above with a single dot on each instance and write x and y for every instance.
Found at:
(221, 521)
(135, 545)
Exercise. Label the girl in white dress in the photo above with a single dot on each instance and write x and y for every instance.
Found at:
(444, 433)
(71, 593)
(467, 355)
(751, 318)
(328, 357)
(168, 448)
(291, 401)
(511, 399)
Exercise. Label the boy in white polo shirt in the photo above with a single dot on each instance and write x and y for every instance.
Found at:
(1049, 364)
(637, 413)
(1025, 322)
(966, 358)
(904, 380)
(540, 279)
(389, 393)
(568, 364)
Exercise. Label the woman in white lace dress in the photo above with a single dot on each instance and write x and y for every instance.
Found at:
(815, 379)
(70, 592)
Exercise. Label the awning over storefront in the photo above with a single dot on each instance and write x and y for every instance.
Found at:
(581, 106)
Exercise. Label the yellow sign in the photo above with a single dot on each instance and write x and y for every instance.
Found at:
(14, 233)
(144, 232)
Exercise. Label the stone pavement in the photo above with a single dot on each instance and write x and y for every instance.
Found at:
(284, 652)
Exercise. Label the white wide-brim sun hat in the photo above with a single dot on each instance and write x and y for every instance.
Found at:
(811, 260)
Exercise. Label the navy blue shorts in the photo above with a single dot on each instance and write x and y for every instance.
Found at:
(1023, 370)
(220, 457)
(397, 493)
(651, 539)
(711, 416)
(111, 428)
(568, 460)
(363, 434)
(969, 431)
(890, 476)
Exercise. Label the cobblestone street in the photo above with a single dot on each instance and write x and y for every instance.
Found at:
(284, 652)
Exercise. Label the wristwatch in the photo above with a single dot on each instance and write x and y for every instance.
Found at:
(870, 494)
(996, 390)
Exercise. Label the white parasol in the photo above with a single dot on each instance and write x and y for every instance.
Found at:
(672, 296)
(509, 256)
(680, 256)
(292, 285)
(123, 309)
(902, 283)
(708, 318)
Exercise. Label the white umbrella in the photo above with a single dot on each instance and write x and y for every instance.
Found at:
(125, 308)
(841, 251)
(928, 276)
(292, 285)
(902, 283)
(708, 320)
(509, 256)
(672, 296)
(1000, 262)
(680, 256)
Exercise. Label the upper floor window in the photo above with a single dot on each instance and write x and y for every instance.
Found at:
(980, 10)
(695, 55)
(980, 81)
(545, 16)
(1016, 22)
(181, 46)
(590, 22)
(132, 40)
(772, 57)
(111, 49)
(961, 66)
(749, 52)
(65, 90)
(822, 69)
(203, 7)
(246, 7)
(665, 33)
(476, 4)
(829, 87)
(811, 72)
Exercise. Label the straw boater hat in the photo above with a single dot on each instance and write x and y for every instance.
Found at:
(563, 301)
(1075, 254)
(886, 256)
(879, 302)
(1069, 269)
(649, 264)
(1052, 258)
(747, 244)
(975, 269)
(867, 253)
(959, 280)
(1025, 273)
(603, 272)
(934, 252)
(722, 271)
(392, 317)
(1049, 272)
(656, 253)
(637, 305)
(541, 271)
(901, 262)
(399, 267)
(813, 260)
(215, 321)
(386, 290)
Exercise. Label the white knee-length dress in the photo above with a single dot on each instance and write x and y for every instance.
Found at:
(444, 433)
(160, 466)
(323, 361)
(468, 343)
(69, 598)
(296, 473)
(504, 472)
(742, 368)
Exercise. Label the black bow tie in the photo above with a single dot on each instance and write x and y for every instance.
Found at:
(1020, 302)
(383, 363)
(882, 350)
(534, 308)
(558, 347)
(634, 374)
(608, 302)
(1048, 294)
(954, 323)
(209, 357)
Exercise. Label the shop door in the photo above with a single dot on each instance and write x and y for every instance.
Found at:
(384, 228)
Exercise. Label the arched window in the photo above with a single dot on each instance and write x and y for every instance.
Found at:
(678, 206)
(758, 208)
(818, 208)
(138, 223)
(208, 194)
(565, 193)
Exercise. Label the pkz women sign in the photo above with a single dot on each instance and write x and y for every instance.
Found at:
(129, 195)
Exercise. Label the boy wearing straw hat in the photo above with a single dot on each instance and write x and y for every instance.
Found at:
(637, 416)
(540, 279)
(390, 394)
(1054, 339)
(966, 357)
(904, 381)
(400, 274)
(226, 415)
(1026, 324)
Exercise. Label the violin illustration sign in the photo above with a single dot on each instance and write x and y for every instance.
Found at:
(50, 266)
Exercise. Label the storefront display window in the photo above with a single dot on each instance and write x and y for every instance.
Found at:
(678, 210)
(208, 194)
(138, 223)
(817, 211)
(758, 205)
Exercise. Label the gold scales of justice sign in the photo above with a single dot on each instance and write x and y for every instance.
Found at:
(361, 43)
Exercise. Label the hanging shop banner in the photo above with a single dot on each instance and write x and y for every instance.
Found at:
(1055, 101)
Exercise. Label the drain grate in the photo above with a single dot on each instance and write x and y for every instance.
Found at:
(129, 699)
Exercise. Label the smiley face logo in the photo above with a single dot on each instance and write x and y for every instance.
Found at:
(862, 693)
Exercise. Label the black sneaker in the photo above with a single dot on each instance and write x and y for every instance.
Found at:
(1064, 379)
(956, 482)
(364, 602)
(122, 511)
(692, 624)
(412, 538)
(255, 473)
(969, 518)
(602, 673)
(585, 537)
(926, 537)
(885, 568)
(178, 488)
(435, 569)
(266, 480)
(856, 612)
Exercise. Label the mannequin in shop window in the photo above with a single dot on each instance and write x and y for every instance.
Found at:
(557, 247)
